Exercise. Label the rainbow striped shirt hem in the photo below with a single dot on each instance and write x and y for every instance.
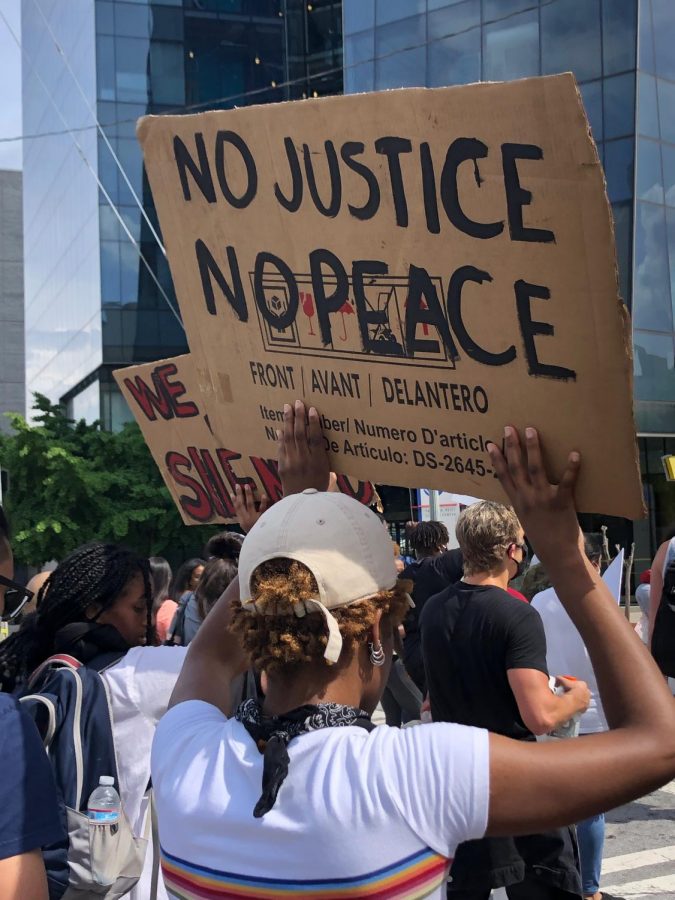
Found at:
(412, 878)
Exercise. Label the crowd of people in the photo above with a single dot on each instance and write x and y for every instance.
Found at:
(231, 703)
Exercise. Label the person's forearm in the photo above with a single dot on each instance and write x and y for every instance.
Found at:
(214, 659)
(564, 707)
(632, 693)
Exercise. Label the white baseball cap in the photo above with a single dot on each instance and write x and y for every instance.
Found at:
(342, 543)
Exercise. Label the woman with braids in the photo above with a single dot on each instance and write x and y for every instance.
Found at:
(299, 795)
(435, 568)
(97, 604)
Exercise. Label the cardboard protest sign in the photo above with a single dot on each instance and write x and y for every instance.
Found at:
(423, 266)
(171, 405)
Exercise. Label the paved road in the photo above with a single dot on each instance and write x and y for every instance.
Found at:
(639, 859)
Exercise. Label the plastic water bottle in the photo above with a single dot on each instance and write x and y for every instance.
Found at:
(103, 807)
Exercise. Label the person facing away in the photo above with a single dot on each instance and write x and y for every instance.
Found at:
(98, 601)
(662, 611)
(434, 568)
(221, 548)
(182, 591)
(299, 795)
(29, 813)
(163, 607)
(566, 652)
(485, 659)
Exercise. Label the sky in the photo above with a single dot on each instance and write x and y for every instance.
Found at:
(10, 79)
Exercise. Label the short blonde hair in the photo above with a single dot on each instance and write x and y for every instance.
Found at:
(485, 531)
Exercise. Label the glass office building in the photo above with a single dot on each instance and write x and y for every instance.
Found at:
(621, 52)
(98, 288)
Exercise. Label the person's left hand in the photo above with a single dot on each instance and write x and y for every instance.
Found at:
(244, 507)
(303, 458)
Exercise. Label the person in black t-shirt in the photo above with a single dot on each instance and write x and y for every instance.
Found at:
(434, 569)
(485, 659)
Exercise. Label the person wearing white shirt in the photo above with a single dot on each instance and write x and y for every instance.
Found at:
(300, 795)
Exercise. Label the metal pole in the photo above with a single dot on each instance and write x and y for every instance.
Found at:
(434, 510)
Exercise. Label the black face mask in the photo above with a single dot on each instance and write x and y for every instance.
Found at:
(521, 567)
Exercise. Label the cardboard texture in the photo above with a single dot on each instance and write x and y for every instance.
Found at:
(423, 266)
(170, 403)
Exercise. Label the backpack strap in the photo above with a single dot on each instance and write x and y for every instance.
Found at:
(57, 661)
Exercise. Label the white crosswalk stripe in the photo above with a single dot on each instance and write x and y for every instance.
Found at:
(631, 861)
(647, 887)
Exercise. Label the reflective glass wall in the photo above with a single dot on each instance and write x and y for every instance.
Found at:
(60, 197)
(134, 57)
(654, 275)
(432, 43)
(623, 55)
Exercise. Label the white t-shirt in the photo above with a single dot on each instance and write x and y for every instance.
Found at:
(359, 812)
(566, 654)
(140, 686)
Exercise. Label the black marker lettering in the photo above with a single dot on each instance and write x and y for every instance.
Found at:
(460, 151)
(368, 210)
(280, 321)
(392, 147)
(421, 286)
(327, 303)
(429, 189)
(293, 204)
(382, 341)
(529, 329)
(201, 173)
(472, 349)
(209, 268)
(333, 207)
(231, 137)
(517, 197)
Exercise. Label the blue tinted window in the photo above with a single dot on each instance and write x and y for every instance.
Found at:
(105, 22)
(132, 68)
(110, 272)
(666, 92)
(105, 67)
(618, 35)
(663, 20)
(391, 10)
(570, 38)
(670, 231)
(511, 47)
(497, 9)
(167, 24)
(453, 20)
(455, 60)
(358, 15)
(668, 158)
(132, 20)
(394, 65)
(651, 277)
(619, 95)
(359, 47)
(591, 94)
(648, 112)
(645, 37)
(619, 169)
(649, 178)
(653, 366)
(623, 213)
(166, 73)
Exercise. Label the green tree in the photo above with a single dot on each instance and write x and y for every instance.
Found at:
(70, 482)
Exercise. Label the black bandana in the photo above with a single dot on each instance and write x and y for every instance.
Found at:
(273, 734)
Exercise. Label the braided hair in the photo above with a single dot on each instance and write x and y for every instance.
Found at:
(428, 538)
(93, 575)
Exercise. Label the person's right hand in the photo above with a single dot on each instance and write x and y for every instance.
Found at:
(546, 511)
(303, 458)
(245, 508)
(576, 690)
